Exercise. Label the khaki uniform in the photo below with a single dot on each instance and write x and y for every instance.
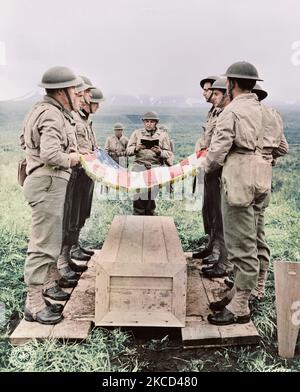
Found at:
(246, 181)
(48, 137)
(116, 148)
(211, 208)
(80, 189)
(274, 146)
(144, 204)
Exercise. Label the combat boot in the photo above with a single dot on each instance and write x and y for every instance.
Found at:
(63, 265)
(55, 308)
(221, 304)
(37, 310)
(236, 312)
(51, 288)
(77, 253)
(77, 268)
(87, 251)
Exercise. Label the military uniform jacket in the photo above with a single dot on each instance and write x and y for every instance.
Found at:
(116, 147)
(274, 141)
(86, 138)
(148, 157)
(48, 137)
(208, 128)
(237, 145)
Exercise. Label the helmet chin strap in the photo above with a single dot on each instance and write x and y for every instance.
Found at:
(231, 87)
(69, 99)
(210, 97)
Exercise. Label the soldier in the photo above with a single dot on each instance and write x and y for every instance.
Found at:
(51, 152)
(80, 193)
(169, 162)
(246, 181)
(147, 157)
(213, 193)
(274, 146)
(211, 253)
(116, 145)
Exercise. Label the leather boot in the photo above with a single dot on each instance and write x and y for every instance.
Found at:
(67, 283)
(78, 254)
(55, 308)
(36, 309)
(68, 273)
(50, 287)
(56, 293)
(220, 305)
(63, 265)
(77, 268)
(217, 271)
(259, 291)
(237, 311)
(211, 259)
(87, 251)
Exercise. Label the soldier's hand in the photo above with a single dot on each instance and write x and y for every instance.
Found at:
(140, 147)
(157, 150)
(74, 158)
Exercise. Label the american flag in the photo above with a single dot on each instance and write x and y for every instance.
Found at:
(101, 167)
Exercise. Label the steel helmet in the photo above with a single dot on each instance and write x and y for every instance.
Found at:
(150, 116)
(118, 126)
(59, 77)
(97, 96)
(88, 82)
(209, 79)
(219, 84)
(260, 92)
(242, 70)
(81, 86)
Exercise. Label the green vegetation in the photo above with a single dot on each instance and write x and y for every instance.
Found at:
(116, 350)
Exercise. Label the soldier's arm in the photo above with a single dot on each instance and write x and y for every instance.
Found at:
(282, 149)
(81, 136)
(51, 152)
(221, 142)
(131, 145)
(166, 152)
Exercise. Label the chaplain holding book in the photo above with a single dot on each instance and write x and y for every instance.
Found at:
(151, 148)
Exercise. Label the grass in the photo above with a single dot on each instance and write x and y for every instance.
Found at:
(117, 350)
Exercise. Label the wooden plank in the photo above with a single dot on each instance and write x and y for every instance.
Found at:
(154, 247)
(145, 282)
(142, 319)
(179, 296)
(236, 334)
(71, 330)
(174, 249)
(101, 293)
(198, 331)
(27, 331)
(111, 245)
(131, 244)
(287, 290)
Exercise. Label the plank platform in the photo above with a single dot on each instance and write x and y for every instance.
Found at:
(67, 330)
(79, 314)
(198, 332)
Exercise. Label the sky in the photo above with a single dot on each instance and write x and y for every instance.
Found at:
(149, 47)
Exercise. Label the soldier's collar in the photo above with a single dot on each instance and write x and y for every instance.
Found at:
(57, 104)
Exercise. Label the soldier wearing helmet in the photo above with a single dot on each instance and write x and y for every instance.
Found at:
(81, 187)
(116, 145)
(51, 151)
(201, 144)
(150, 147)
(274, 146)
(220, 266)
(236, 146)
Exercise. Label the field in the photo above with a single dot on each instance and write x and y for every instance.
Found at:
(123, 350)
